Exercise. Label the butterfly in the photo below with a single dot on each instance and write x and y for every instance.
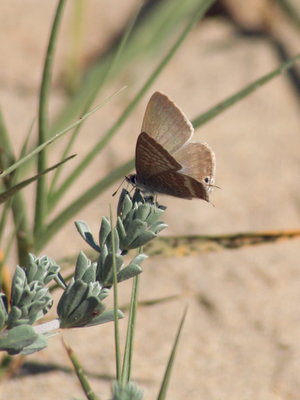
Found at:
(166, 161)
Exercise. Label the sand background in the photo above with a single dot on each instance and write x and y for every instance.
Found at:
(245, 345)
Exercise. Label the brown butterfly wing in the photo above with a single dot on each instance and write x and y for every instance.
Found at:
(197, 160)
(166, 123)
(151, 158)
(179, 185)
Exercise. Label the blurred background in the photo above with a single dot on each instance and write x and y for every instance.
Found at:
(241, 337)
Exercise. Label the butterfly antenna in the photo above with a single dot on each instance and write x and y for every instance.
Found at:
(114, 193)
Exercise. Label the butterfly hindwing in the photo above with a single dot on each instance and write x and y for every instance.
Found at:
(179, 185)
(197, 160)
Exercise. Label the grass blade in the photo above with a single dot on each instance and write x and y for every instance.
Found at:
(150, 33)
(116, 303)
(41, 147)
(90, 395)
(112, 131)
(41, 190)
(4, 196)
(165, 383)
(127, 360)
(223, 105)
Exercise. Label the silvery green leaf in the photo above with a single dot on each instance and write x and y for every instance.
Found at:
(94, 289)
(42, 269)
(138, 259)
(83, 314)
(125, 204)
(18, 283)
(71, 298)
(64, 298)
(90, 274)
(158, 227)
(104, 230)
(86, 234)
(116, 239)
(3, 310)
(102, 256)
(108, 264)
(127, 391)
(103, 293)
(31, 268)
(142, 212)
(105, 272)
(15, 339)
(14, 316)
(121, 229)
(135, 229)
(142, 239)
(154, 215)
(39, 344)
(106, 316)
(82, 263)
(129, 272)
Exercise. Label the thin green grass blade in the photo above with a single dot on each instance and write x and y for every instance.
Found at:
(128, 351)
(199, 12)
(91, 99)
(90, 395)
(41, 147)
(290, 11)
(5, 144)
(116, 304)
(21, 185)
(71, 210)
(223, 105)
(165, 383)
(150, 33)
(41, 188)
(18, 206)
(72, 69)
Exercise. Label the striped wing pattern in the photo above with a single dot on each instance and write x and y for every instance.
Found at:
(151, 158)
(178, 185)
(166, 162)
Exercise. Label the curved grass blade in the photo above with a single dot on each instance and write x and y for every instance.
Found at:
(199, 12)
(165, 383)
(4, 196)
(150, 32)
(116, 303)
(41, 147)
(223, 105)
(128, 352)
(41, 190)
(80, 374)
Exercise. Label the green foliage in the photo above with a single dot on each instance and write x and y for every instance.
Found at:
(81, 303)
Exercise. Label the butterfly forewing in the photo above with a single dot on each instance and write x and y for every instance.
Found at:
(166, 123)
(197, 160)
(151, 158)
(178, 185)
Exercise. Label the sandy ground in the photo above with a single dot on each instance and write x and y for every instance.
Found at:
(241, 337)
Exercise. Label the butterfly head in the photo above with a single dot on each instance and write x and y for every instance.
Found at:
(131, 179)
